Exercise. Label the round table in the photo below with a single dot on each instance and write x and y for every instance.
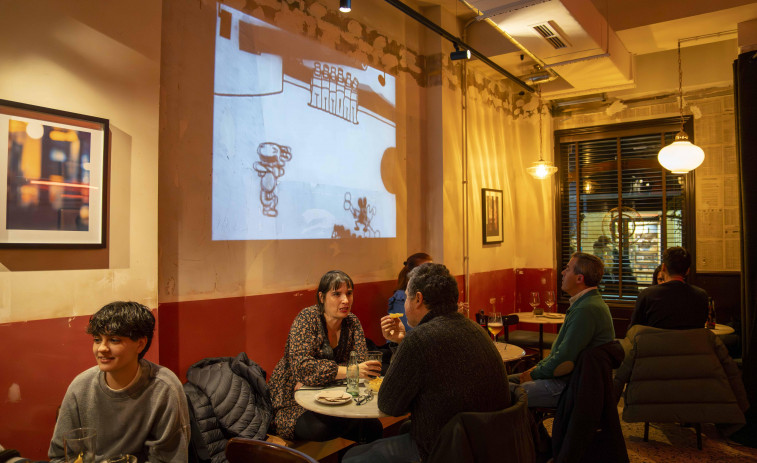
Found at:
(305, 397)
(722, 329)
(509, 351)
(549, 318)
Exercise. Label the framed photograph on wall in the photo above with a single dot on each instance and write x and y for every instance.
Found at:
(491, 216)
(55, 166)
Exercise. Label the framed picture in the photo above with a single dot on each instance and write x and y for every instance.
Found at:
(491, 216)
(55, 164)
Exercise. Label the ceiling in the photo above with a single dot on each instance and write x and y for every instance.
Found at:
(597, 40)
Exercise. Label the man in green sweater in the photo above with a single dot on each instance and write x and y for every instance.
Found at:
(588, 323)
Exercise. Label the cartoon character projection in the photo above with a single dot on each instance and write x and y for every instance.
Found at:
(270, 168)
(362, 215)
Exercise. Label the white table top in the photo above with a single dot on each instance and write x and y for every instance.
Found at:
(722, 329)
(306, 399)
(509, 351)
(549, 318)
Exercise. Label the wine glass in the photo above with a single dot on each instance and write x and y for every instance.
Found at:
(549, 299)
(495, 324)
(534, 302)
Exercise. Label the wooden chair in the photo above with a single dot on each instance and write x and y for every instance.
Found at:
(532, 355)
(240, 450)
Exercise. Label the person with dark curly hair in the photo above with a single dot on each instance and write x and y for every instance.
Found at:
(135, 406)
(446, 365)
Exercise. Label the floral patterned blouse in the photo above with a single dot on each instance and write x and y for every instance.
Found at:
(309, 359)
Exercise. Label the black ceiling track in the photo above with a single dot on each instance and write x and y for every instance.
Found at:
(455, 40)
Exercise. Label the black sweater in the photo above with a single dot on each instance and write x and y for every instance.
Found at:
(446, 365)
(673, 305)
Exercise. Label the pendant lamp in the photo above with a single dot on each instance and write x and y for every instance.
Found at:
(541, 169)
(681, 156)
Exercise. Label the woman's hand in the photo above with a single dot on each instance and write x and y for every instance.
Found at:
(370, 369)
(392, 329)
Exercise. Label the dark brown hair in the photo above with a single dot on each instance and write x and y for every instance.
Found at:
(413, 261)
(332, 279)
(128, 319)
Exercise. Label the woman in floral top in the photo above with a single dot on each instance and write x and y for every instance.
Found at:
(316, 353)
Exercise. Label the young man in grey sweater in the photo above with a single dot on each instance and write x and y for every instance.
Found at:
(135, 406)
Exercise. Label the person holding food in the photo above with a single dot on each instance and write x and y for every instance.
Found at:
(317, 350)
(135, 406)
(446, 365)
(397, 301)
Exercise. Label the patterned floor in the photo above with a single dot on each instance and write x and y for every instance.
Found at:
(672, 443)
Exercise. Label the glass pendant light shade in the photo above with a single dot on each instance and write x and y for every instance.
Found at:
(541, 169)
(681, 156)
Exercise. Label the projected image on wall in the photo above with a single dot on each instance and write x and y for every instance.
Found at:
(299, 132)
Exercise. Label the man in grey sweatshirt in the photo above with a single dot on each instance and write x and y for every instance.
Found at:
(135, 406)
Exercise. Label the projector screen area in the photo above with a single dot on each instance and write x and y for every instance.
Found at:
(299, 133)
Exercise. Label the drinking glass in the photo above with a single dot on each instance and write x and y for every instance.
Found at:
(495, 324)
(376, 355)
(79, 445)
(534, 302)
(549, 299)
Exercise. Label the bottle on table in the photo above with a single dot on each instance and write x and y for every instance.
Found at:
(710, 314)
(353, 375)
(482, 319)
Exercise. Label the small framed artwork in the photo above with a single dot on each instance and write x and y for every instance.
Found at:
(491, 216)
(55, 166)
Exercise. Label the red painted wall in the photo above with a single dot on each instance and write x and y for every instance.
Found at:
(43, 356)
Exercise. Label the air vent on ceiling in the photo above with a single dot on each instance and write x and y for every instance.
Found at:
(551, 33)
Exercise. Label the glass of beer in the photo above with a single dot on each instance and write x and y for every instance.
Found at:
(495, 324)
(79, 445)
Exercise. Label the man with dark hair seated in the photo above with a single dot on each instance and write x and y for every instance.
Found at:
(135, 406)
(674, 304)
(446, 365)
(588, 323)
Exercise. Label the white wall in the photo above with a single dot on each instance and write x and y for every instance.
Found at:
(100, 59)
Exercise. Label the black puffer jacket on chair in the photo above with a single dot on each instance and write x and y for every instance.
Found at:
(230, 398)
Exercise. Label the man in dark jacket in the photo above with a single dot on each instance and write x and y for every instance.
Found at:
(446, 365)
(674, 304)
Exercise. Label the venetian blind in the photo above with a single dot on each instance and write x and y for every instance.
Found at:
(618, 203)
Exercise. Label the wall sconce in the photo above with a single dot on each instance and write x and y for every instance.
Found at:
(345, 6)
(459, 54)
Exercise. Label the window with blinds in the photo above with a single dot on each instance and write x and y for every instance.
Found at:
(617, 202)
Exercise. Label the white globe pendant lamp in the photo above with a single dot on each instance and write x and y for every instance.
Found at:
(681, 156)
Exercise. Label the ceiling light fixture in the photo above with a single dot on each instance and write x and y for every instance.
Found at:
(459, 54)
(681, 156)
(541, 169)
(345, 6)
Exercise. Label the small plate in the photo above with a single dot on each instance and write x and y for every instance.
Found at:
(333, 398)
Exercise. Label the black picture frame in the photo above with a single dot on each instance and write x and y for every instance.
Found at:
(56, 168)
(491, 216)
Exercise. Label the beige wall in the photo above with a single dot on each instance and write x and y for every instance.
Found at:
(100, 59)
(708, 98)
